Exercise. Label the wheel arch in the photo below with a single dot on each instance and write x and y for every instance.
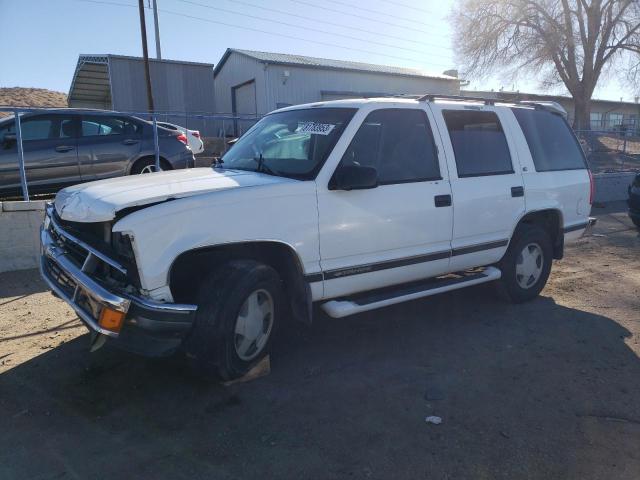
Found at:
(191, 266)
(551, 220)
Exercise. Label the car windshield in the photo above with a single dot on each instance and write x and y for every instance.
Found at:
(291, 144)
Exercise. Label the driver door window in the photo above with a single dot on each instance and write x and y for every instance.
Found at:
(398, 143)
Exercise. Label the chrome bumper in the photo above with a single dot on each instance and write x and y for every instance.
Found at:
(74, 284)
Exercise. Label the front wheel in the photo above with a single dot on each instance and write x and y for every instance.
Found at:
(239, 306)
(527, 264)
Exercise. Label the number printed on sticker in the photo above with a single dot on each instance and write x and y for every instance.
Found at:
(315, 128)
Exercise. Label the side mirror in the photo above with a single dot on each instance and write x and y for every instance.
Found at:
(354, 177)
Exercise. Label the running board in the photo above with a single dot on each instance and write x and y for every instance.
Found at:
(390, 296)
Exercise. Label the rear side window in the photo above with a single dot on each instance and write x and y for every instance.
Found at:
(479, 143)
(398, 143)
(551, 142)
(100, 125)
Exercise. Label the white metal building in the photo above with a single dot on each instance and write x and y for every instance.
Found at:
(254, 83)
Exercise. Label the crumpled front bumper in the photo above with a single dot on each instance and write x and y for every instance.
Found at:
(150, 328)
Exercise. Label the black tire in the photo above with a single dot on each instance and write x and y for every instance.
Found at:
(211, 346)
(510, 284)
(636, 222)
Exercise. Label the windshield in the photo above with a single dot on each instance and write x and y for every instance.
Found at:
(290, 144)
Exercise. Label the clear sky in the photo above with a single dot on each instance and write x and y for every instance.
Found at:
(41, 39)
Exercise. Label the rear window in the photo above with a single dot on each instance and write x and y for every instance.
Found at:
(479, 143)
(551, 141)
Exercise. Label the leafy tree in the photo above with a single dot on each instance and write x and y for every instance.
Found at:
(560, 41)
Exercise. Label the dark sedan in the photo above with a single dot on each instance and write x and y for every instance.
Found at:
(634, 201)
(71, 146)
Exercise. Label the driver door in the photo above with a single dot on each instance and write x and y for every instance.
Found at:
(399, 231)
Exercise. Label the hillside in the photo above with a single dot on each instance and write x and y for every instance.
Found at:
(31, 97)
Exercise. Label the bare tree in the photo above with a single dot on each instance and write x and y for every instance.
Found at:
(560, 41)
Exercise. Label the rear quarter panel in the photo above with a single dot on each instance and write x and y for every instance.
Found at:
(566, 191)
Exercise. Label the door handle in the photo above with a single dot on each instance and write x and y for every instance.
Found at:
(442, 200)
(517, 191)
(64, 148)
(130, 141)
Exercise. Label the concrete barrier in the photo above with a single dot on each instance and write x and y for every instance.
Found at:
(19, 234)
(611, 187)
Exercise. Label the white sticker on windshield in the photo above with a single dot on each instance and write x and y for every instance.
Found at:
(315, 128)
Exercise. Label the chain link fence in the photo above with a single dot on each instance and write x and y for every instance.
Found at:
(613, 150)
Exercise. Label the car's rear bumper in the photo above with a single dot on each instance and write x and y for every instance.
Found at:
(149, 328)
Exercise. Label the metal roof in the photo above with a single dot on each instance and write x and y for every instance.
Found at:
(91, 82)
(326, 63)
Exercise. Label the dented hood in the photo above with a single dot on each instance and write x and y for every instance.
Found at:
(100, 201)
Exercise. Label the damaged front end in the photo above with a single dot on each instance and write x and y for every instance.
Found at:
(94, 271)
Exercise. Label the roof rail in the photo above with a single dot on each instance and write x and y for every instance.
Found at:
(430, 97)
(540, 105)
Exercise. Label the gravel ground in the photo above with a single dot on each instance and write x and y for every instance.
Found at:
(548, 389)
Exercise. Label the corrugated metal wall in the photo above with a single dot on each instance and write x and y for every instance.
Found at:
(305, 85)
(239, 69)
(177, 87)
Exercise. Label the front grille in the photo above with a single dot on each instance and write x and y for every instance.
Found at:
(75, 251)
(61, 279)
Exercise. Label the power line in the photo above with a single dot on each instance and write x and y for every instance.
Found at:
(311, 29)
(355, 15)
(350, 27)
(386, 14)
(242, 27)
(399, 4)
(292, 37)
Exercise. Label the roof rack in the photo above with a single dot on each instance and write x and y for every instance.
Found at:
(549, 106)
(430, 97)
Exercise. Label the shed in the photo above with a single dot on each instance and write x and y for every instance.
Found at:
(117, 82)
(249, 82)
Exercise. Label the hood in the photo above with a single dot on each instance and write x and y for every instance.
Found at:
(100, 201)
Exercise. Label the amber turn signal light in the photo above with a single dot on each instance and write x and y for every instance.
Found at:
(111, 319)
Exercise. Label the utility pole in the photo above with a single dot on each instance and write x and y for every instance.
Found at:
(157, 26)
(145, 54)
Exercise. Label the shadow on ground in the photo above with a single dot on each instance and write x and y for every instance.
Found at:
(527, 391)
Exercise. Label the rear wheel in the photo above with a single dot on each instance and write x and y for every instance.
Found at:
(239, 307)
(146, 165)
(636, 221)
(527, 264)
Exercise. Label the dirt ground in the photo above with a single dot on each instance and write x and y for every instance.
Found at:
(548, 389)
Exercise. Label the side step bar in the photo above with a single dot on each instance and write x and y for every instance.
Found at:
(390, 296)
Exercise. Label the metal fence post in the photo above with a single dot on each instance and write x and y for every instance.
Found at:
(224, 137)
(156, 145)
(23, 173)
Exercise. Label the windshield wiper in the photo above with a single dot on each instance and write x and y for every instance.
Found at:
(263, 167)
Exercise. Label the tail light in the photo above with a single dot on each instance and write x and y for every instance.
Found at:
(196, 133)
(592, 187)
(182, 138)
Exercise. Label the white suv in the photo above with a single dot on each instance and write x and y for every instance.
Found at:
(353, 205)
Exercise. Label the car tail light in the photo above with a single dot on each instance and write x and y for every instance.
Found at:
(182, 138)
(592, 187)
(196, 133)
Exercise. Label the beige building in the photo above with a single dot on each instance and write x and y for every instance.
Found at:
(605, 114)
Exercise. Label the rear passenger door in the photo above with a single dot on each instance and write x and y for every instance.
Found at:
(399, 231)
(486, 181)
(107, 145)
